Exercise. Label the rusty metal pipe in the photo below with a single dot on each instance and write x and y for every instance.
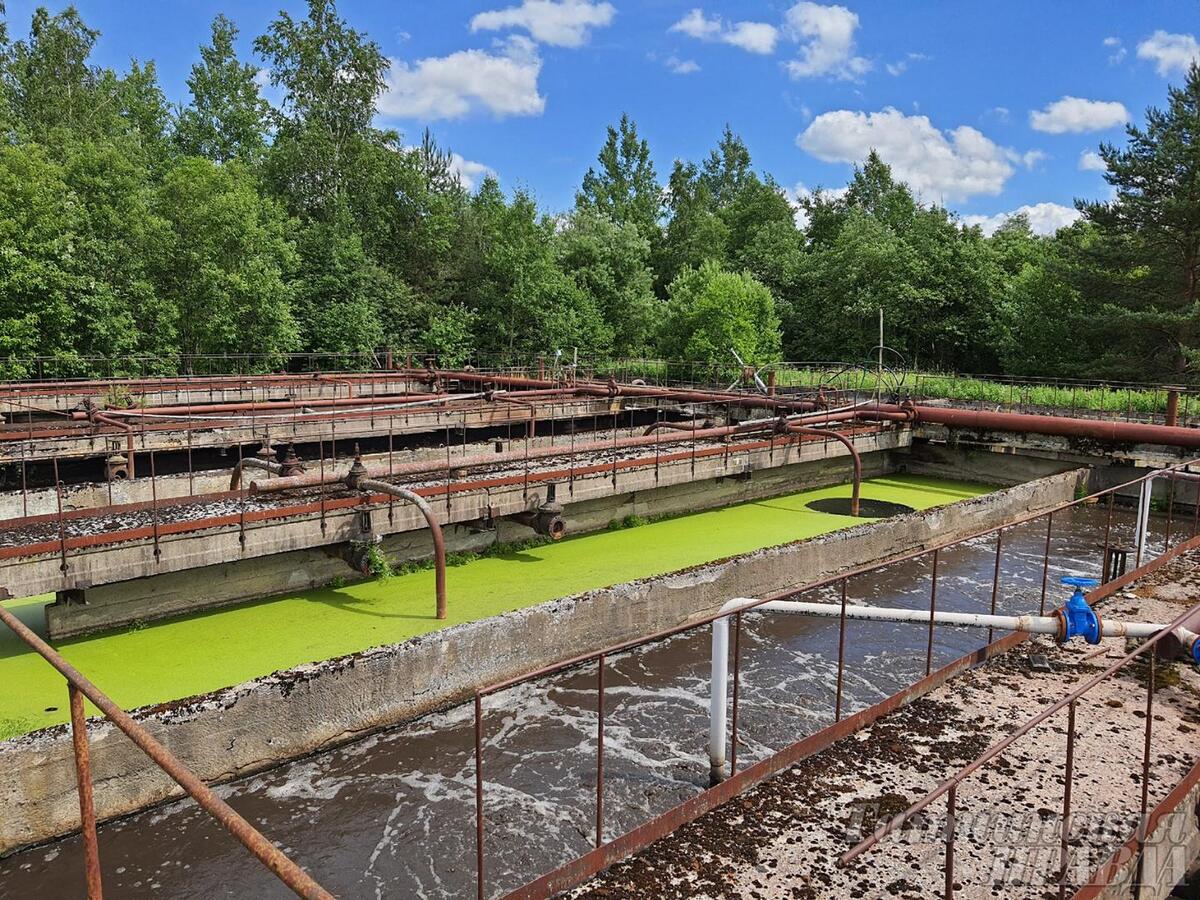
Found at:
(99, 418)
(1058, 426)
(628, 390)
(200, 409)
(250, 837)
(252, 462)
(87, 807)
(849, 445)
(435, 529)
(429, 466)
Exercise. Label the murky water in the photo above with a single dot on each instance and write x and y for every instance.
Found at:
(393, 815)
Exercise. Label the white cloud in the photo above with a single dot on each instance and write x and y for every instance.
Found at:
(1075, 115)
(679, 66)
(754, 37)
(1118, 50)
(1090, 161)
(504, 83)
(1170, 53)
(900, 66)
(1044, 218)
(942, 166)
(826, 34)
(469, 172)
(565, 23)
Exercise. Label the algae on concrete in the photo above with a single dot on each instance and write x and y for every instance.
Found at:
(179, 658)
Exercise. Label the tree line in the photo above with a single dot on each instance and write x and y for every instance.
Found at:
(130, 226)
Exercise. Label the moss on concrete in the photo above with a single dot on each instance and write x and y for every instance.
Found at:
(178, 658)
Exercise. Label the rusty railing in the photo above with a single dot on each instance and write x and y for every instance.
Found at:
(79, 687)
(607, 852)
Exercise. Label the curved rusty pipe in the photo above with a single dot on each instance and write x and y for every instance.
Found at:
(439, 542)
(98, 418)
(849, 444)
(252, 462)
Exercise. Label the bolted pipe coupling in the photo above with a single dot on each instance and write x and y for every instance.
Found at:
(1077, 618)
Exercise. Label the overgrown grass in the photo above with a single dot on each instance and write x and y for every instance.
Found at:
(1117, 399)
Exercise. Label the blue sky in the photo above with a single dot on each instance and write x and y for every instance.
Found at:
(985, 107)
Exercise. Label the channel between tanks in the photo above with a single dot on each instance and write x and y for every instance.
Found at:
(256, 725)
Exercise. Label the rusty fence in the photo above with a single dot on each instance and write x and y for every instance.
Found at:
(610, 849)
(79, 687)
(1068, 704)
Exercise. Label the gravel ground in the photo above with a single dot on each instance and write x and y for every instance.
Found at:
(783, 838)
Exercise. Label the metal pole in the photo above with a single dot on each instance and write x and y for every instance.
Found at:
(996, 577)
(1064, 851)
(1143, 821)
(837, 709)
(600, 751)
(932, 610)
(87, 809)
(950, 829)
(1046, 562)
(737, 665)
(479, 795)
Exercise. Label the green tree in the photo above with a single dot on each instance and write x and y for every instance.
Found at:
(1145, 260)
(712, 311)
(610, 264)
(39, 286)
(331, 76)
(227, 117)
(625, 188)
(227, 262)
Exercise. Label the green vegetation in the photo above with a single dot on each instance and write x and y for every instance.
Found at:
(1115, 399)
(133, 227)
(182, 657)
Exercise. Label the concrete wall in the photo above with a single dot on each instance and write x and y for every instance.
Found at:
(289, 714)
(304, 551)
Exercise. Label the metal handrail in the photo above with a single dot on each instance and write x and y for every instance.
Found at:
(600, 656)
(78, 687)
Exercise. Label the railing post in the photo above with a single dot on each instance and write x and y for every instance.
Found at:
(737, 671)
(932, 610)
(1104, 576)
(950, 829)
(1143, 823)
(479, 795)
(87, 809)
(1064, 849)
(1046, 561)
(600, 751)
(996, 577)
(837, 709)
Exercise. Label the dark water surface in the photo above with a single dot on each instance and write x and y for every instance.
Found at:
(394, 815)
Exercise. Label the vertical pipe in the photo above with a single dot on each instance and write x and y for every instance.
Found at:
(62, 528)
(1172, 417)
(154, 508)
(479, 795)
(600, 751)
(1064, 848)
(837, 709)
(87, 809)
(950, 829)
(1046, 561)
(737, 667)
(932, 610)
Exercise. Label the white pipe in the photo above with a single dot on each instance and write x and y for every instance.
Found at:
(1145, 496)
(719, 687)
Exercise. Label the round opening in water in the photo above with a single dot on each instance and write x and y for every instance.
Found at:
(867, 509)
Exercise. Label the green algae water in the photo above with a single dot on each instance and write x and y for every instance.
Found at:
(194, 655)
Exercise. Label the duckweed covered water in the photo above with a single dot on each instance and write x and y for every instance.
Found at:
(183, 657)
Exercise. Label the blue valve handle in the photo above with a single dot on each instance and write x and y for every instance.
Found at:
(1078, 618)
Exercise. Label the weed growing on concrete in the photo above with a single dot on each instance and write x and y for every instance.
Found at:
(377, 563)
